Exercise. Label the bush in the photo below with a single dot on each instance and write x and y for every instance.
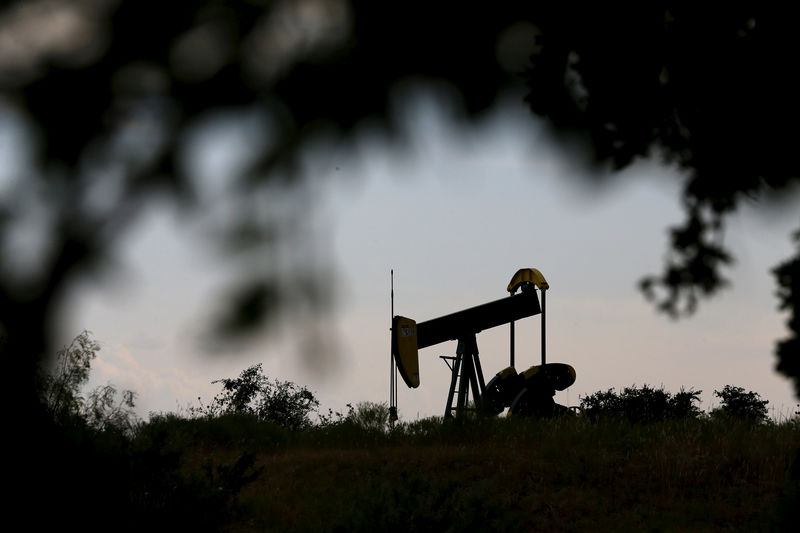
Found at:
(602, 403)
(170, 491)
(683, 404)
(370, 416)
(363, 425)
(281, 402)
(105, 412)
(642, 405)
(60, 391)
(740, 405)
(60, 388)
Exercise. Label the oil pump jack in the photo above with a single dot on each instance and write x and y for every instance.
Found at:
(529, 393)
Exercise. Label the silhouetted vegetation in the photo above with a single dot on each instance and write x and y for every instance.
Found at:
(646, 404)
(641, 458)
(239, 473)
(173, 487)
(281, 402)
(62, 395)
(737, 404)
(642, 404)
(131, 474)
(576, 473)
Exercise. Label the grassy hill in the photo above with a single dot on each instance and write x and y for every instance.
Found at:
(496, 474)
(252, 459)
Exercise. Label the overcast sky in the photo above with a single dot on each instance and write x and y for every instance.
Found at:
(455, 212)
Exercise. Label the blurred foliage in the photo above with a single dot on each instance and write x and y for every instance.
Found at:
(703, 88)
(788, 274)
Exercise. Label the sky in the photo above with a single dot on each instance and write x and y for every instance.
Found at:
(455, 211)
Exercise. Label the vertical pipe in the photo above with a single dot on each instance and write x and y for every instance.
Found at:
(511, 344)
(544, 357)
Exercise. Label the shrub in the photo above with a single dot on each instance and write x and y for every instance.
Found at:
(646, 404)
(60, 391)
(642, 405)
(602, 403)
(683, 404)
(740, 405)
(169, 491)
(370, 416)
(104, 412)
(60, 388)
(335, 418)
(281, 402)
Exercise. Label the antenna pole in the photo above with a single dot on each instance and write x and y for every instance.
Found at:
(392, 365)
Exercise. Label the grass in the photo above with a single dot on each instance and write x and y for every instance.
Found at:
(504, 475)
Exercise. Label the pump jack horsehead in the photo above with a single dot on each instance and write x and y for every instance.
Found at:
(529, 393)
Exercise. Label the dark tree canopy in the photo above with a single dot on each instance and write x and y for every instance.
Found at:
(705, 88)
(109, 92)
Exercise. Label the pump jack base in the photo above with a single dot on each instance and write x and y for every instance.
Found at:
(529, 393)
(530, 402)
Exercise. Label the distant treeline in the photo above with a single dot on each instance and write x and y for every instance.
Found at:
(648, 404)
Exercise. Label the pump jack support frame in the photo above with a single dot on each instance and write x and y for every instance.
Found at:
(466, 376)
